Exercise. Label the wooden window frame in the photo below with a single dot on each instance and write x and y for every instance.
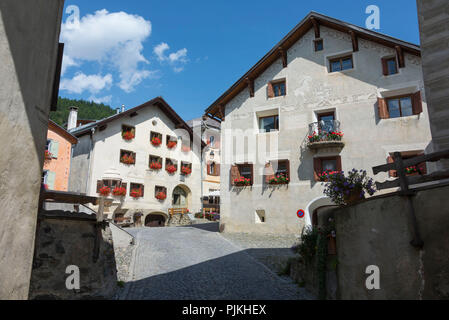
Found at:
(186, 164)
(271, 88)
(407, 155)
(383, 108)
(385, 70)
(276, 123)
(158, 189)
(122, 151)
(315, 43)
(270, 174)
(239, 169)
(340, 59)
(170, 138)
(318, 165)
(156, 134)
(398, 98)
(216, 171)
(142, 189)
(173, 162)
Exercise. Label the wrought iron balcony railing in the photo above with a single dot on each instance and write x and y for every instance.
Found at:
(325, 131)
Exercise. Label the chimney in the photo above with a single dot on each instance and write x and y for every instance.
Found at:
(117, 110)
(73, 118)
(123, 108)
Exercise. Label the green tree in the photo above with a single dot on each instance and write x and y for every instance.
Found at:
(87, 110)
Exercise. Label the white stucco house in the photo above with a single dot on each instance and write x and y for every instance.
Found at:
(324, 76)
(147, 155)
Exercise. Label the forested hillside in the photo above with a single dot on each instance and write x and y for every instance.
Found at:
(87, 110)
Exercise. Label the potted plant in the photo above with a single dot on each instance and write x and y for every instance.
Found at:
(335, 136)
(155, 166)
(326, 174)
(156, 141)
(345, 190)
(242, 182)
(128, 135)
(105, 191)
(279, 179)
(48, 155)
(161, 196)
(128, 159)
(186, 171)
(119, 192)
(172, 144)
(136, 193)
(314, 137)
(171, 169)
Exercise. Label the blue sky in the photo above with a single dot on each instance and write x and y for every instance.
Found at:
(203, 47)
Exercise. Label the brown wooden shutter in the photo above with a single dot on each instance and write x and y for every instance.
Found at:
(317, 168)
(392, 173)
(100, 185)
(269, 172)
(217, 169)
(270, 90)
(252, 173)
(339, 168)
(235, 174)
(287, 164)
(208, 169)
(417, 103)
(384, 66)
(383, 108)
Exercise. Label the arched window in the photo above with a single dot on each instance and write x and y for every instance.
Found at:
(211, 141)
(179, 197)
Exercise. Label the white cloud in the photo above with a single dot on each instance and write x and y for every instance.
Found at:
(81, 82)
(175, 59)
(105, 99)
(112, 39)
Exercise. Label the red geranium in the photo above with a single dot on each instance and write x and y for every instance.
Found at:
(172, 144)
(48, 155)
(156, 141)
(186, 171)
(171, 169)
(161, 196)
(119, 192)
(185, 148)
(326, 174)
(128, 135)
(105, 191)
(136, 193)
(128, 159)
(242, 181)
(155, 166)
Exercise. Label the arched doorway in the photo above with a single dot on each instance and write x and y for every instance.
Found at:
(180, 198)
(314, 205)
(155, 220)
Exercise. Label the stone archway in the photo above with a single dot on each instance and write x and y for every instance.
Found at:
(155, 220)
(181, 197)
(313, 206)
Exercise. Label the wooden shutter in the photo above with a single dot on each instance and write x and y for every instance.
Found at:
(384, 66)
(142, 188)
(252, 173)
(383, 108)
(270, 90)
(339, 168)
(269, 172)
(217, 169)
(51, 177)
(100, 184)
(54, 149)
(392, 173)
(417, 103)
(235, 174)
(208, 169)
(317, 169)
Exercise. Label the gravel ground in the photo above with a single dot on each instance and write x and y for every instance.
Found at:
(197, 263)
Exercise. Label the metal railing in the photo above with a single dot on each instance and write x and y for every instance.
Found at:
(325, 130)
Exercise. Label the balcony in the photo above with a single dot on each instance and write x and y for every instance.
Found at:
(325, 134)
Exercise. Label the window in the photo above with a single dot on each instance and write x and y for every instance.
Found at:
(389, 66)
(112, 184)
(242, 170)
(52, 147)
(171, 166)
(268, 124)
(275, 169)
(276, 89)
(319, 46)
(127, 157)
(327, 164)
(326, 122)
(412, 171)
(186, 168)
(400, 107)
(128, 133)
(155, 162)
(340, 64)
(136, 190)
(160, 192)
(172, 142)
(211, 141)
(213, 169)
(155, 138)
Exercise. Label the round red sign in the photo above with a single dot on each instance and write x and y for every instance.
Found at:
(301, 213)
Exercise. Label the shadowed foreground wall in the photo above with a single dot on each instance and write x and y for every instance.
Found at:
(378, 232)
(29, 34)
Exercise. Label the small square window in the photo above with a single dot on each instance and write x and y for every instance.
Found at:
(340, 64)
(279, 89)
(127, 157)
(400, 107)
(268, 124)
(128, 133)
(319, 45)
(326, 165)
(136, 190)
(389, 66)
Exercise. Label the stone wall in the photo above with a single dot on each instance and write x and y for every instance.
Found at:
(378, 232)
(29, 34)
(65, 239)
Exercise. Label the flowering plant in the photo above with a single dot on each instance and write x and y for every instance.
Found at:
(156, 141)
(128, 135)
(105, 191)
(335, 136)
(119, 192)
(48, 155)
(172, 144)
(185, 148)
(326, 174)
(161, 196)
(325, 136)
(171, 169)
(346, 189)
(242, 181)
(279, 179)
(411, 170)
(128, 159)
(186, 171)
(155, 166)
(136, 193)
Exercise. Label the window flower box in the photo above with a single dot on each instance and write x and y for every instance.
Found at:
(186, 171)
(279, 179)
(155, 166)
(156, 141)
(172, 144)
(161, 196)
(136, 193)
(242, 182)
(105, 191)
(128, 159)
(48, 155)
(119, 192)
(171, 169)
(128, 135)
(326, 175)
(322, 136)
(412, 170)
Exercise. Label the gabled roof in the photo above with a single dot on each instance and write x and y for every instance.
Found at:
(312, 20)
(159, 102)
(63, 132)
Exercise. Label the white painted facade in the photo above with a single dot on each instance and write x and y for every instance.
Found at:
(311, 89)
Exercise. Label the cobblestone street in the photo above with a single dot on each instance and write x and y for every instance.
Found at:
(198, 263)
